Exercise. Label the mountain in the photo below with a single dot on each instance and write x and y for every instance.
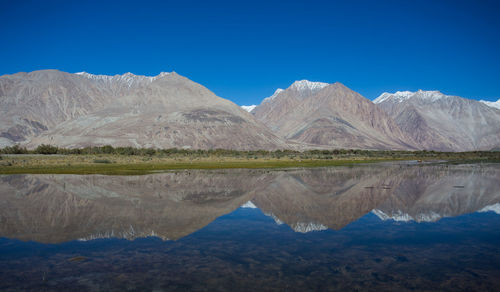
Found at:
(495, 104)
(329, 115)
(169, 110)
(32, 103)
(82, 109)
(436, 121)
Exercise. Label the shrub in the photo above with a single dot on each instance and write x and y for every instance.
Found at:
(46, 149)
(16, 149)
(150, 151)
(126, 151)
(101, 161)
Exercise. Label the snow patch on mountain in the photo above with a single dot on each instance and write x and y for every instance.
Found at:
(299, 85)
(275, 218)
(249, 204)
(276, 93)
(396, 216)
(249, 108)
(127, 78)
(130, 234)
(400, 216)
(495, 104)
(304, 227)
(430, 217)
(400, 96)
(308, 85)
(491, 208)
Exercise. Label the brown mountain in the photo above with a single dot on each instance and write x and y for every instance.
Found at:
(436, 121)
(330, 115)
(168, 110)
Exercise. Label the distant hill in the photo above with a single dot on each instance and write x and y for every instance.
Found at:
(443, 122)
(330, 115)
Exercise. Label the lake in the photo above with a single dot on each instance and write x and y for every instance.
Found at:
(388, 226)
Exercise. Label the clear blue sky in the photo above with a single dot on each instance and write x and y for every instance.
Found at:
(244, 50)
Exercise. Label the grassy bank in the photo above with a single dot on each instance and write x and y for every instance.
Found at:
(141, 163)
(122, 165)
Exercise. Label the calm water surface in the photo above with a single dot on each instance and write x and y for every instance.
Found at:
(379, 227)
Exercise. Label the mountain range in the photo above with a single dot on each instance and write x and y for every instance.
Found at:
(169, 110)
(165, 111)
(443, 122)
(330, 115)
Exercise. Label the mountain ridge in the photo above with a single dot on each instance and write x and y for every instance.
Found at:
(165, 111)
(168, 110)
(437, 121)
(330, 116)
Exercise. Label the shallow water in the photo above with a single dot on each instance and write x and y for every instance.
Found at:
(375, 227)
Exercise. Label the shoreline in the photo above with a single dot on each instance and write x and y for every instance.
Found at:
(141, 165)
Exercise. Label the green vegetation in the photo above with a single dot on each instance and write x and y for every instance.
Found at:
(101, 161)
(46, 149)
(16, 149)
(146, 168)
(309, 154)
(128, 160)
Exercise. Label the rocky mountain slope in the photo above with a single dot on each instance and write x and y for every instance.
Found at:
(330, 115)
(495, 104)
(31, 103)
(164, 111)
(168, 110)
(442, 122)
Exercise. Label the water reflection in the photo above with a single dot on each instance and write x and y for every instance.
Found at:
(61, 208)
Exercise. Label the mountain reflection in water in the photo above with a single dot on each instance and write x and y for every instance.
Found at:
(365, 205)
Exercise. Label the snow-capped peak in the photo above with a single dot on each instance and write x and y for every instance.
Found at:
(127, 78)
(249, 108)
(494, 208)
(301, 85)
(129, 234)
(495, 104)
(400, 216)
(304, 227)
(431, 94)
(400, 96)
(278, 91)
(249, 205)
(94, 77)
(396, 216)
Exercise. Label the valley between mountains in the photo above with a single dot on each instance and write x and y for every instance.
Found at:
(170, 111)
